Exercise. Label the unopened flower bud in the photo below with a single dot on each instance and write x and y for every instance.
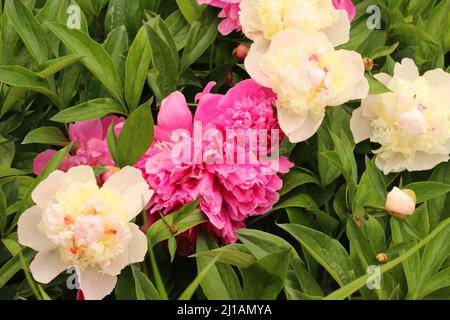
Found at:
(401, 203)
(382, 258)
(368, 64)
(241, 52)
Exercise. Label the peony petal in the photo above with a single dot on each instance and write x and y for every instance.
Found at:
(96, 285)
(137, 197)
(384, 78)
(130, 183)
(423, 161)
(116, 265)
(339, 32)
(207, 108)
(82, 174)
(407, 70)
(47, 265)
(47, 189)
(137, 247)
(41, 161)
(360, 126)
(254, 59)
(437, 78)
(361, 89)
(175, 104)
(297, 127)
(84, 131)
(28, 233)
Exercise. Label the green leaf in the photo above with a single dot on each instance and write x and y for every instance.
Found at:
(21, 77)
(172, 244)
(190, 290)
(135, 137)
(14, 265)
(145, 290)
(383, 51)
(94, 109)
(426, 191)
(51, 67)
(190, 9)
(202, 34)
(165, 68)
(376, 179)
(299, 200)
(355, 285)
(295, 178)
(47, 135)
(265, 279)
(184, 219)
(221, 283)
(95, 57)
(136, 68)
(29, 29)
(327, 251)
(231, 254)
(3, 208)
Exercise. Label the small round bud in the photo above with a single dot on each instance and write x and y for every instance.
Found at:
(368, 64)
(401, 203)
(382, 258)
(241, 52)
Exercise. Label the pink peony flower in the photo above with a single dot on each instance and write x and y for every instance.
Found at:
(346, 5)
(90, 146)
(230, 13)
(230, 191)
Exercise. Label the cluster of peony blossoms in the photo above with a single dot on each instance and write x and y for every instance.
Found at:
(231, 10)
(190, 159)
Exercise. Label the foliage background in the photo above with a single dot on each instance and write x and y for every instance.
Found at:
(330, 223)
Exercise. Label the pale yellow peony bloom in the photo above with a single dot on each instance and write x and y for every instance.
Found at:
(268, 17)
(308, 75)
(76, 223)
(411, 123)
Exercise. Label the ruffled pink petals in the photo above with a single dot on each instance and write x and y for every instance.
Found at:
(346, 5)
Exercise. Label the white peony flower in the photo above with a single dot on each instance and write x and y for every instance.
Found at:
(411, 123)
(401, 203)
(76, 223)
(268, 17)
(308, 75)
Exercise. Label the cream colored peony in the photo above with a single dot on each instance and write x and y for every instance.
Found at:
(411, 123)
(76, 223)
(268, 17)
(308, 75)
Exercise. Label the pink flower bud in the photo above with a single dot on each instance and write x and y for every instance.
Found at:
(241, 52)
(401, 203)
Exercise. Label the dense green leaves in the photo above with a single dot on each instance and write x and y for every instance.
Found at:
(95, 57)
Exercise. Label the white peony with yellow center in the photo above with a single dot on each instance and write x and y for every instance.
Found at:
(308, 75)
(76, 223)
(411, 123)
(267, 18)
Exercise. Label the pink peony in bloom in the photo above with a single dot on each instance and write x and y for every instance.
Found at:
(346, 5)
(231, 191)
(89, 145)
(230, 13)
